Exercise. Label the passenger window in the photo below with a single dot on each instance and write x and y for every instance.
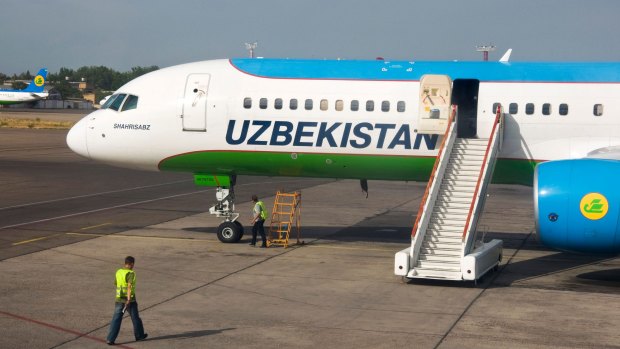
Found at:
(308, 105)
(385, 106)
(598, 110)
(130, 103)
(262, 103)
(529, 108)
(370, 105)
(116, 104)
(355, 105)
(400, 107)
(339, 105)
(494, 109)
(546, 109)
(247, 102)
(513, 108)
(277, 103)
(324, 104)
(563, 109)
(293, 104)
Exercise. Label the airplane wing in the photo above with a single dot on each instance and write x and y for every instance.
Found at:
(610, 153)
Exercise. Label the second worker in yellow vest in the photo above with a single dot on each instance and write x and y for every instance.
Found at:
(259, 214)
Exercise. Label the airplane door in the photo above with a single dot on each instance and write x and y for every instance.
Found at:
(194, 112)
(434, 110)
(465, 96)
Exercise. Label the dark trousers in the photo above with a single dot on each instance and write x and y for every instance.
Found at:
(258, 227)
(117, 318)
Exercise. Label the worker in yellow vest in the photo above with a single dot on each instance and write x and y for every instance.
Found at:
(126, 301)
(259, 214)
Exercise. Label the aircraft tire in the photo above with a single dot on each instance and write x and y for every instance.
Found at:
(229, 232)
(240, 227)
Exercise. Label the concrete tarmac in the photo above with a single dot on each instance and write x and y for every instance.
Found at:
(335, 291)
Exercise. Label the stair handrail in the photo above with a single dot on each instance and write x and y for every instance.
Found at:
(492, 145)
(431, 180)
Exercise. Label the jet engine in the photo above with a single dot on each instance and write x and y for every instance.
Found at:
(577, 205)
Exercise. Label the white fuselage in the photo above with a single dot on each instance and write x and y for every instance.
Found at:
(143, 137)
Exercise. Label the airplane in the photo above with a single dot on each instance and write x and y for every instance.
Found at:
(33, 92)
(373, 120)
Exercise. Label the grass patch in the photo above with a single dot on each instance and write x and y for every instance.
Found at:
(35, 123)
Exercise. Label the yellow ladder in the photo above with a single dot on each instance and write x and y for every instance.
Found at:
(286, 212)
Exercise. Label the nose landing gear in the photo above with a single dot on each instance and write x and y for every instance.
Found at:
(230, 231)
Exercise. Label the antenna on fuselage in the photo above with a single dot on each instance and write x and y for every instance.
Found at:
(251, 47)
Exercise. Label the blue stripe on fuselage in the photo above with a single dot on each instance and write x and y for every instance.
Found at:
(412, 71)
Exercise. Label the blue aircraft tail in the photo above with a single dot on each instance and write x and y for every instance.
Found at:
(38, 82)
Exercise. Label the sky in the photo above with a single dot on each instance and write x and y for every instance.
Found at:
(121, 34)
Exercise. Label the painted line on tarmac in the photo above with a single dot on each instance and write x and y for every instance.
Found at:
(138, 237)
(95, 226)
(58, 328)
(122, 205)
(54, 235)
(102, 209)
(34, 240)
(90, 195)
(351, 248)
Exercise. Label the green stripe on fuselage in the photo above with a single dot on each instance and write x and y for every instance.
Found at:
(377, 167)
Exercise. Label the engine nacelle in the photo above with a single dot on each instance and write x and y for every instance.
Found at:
(577, 205)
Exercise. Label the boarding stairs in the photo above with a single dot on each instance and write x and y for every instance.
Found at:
(286, 214)
(444, 243)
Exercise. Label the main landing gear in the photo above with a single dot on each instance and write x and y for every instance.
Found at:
(230, 231)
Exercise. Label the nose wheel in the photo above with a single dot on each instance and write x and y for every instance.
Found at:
(230, 232)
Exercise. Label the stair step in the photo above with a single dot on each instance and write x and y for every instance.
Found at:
(444, 265)
(440, 251)
(440, 230)
(449, 216)
(423, 273)
(447, 224)
(444, 246)
(464, 166)
(466, 152)
(443, 239)
(437, 258)
(471, 141)
(456, 177)
(476, 146)
(451, 210)
(460, 186)
(454, 199)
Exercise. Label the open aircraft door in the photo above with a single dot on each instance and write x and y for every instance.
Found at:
(435, 95)
(194, 112)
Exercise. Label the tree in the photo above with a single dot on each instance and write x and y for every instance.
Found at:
(18, 85)
(67, 91)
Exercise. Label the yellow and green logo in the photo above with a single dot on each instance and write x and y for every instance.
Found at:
(39, 80)
(594, 206)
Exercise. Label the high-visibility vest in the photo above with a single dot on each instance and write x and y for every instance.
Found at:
(121, 284)
(263, 210)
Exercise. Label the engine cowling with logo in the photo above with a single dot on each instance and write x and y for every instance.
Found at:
(577, 205)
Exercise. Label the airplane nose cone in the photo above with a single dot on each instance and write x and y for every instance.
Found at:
(76, 139)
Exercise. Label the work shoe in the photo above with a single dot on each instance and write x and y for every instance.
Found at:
(251, 244)
(110, 343)
(143, 337)
(263, 246)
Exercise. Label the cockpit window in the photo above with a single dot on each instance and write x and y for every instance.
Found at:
(108, 101)
(116, 104)
(130, 103)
